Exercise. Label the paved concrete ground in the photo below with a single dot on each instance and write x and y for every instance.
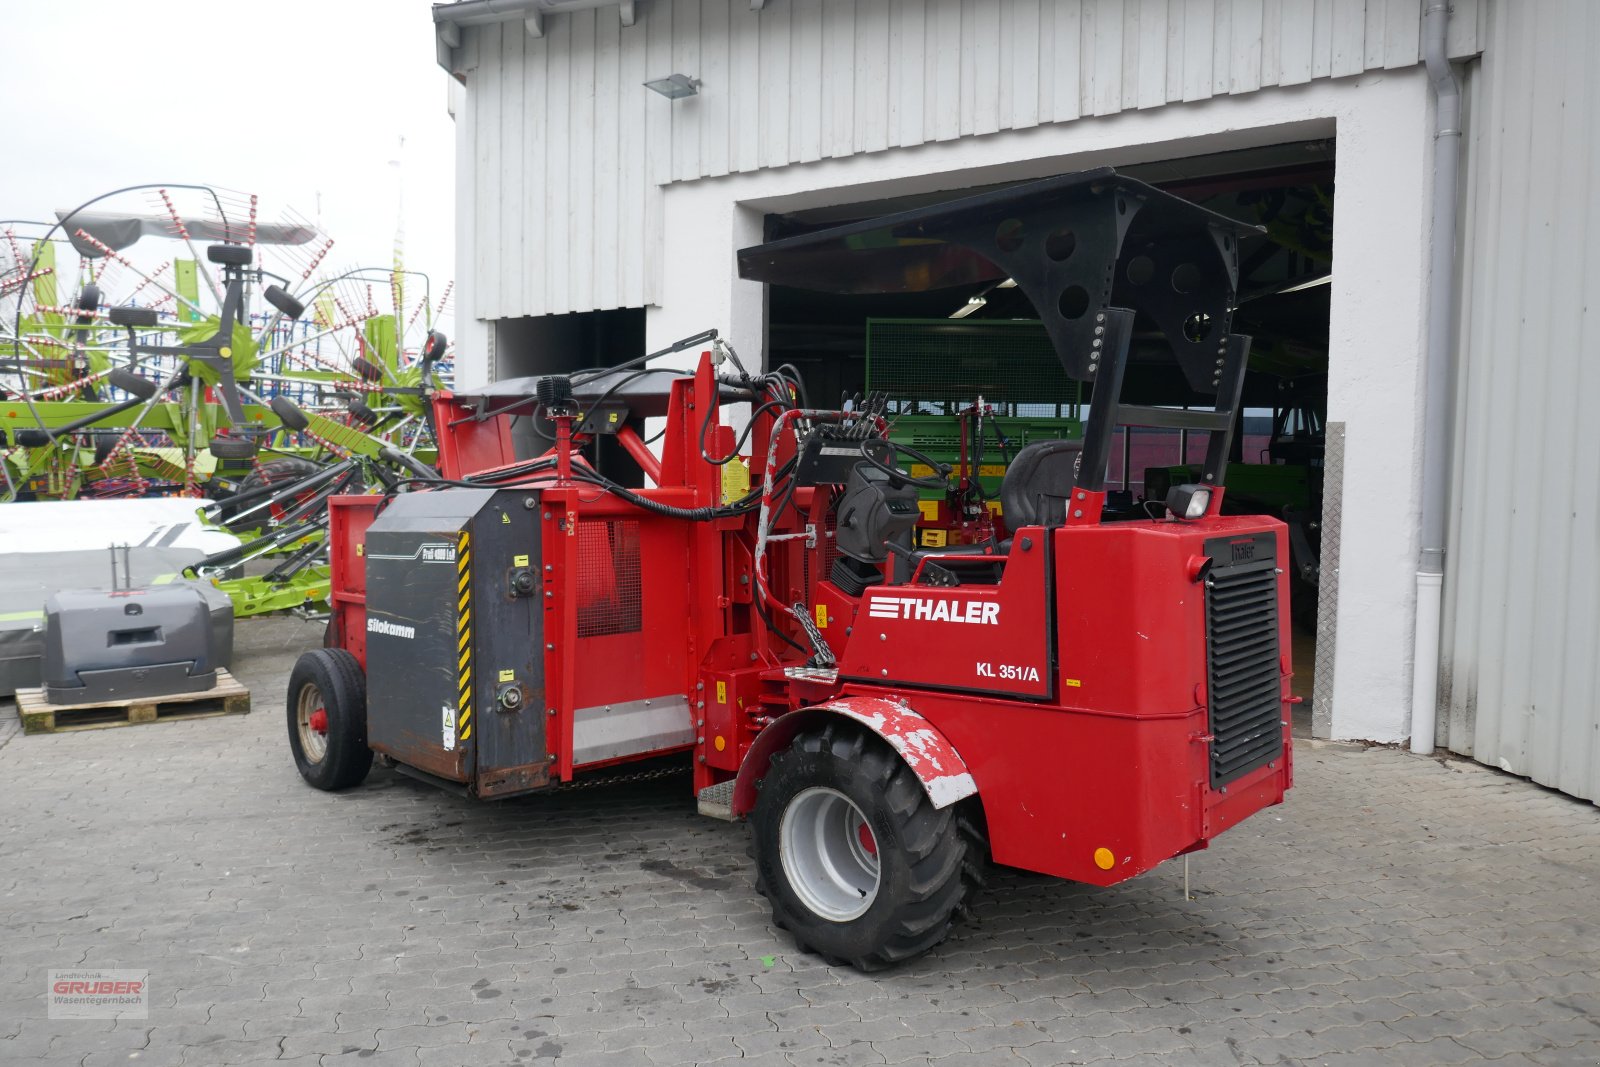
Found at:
(1396, 910)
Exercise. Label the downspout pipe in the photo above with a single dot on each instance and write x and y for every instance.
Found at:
(1440, 344)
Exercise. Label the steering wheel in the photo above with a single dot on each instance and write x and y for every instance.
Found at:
(895, 449)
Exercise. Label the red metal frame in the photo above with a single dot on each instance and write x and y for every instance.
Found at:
(1068, 698)
(468, 444)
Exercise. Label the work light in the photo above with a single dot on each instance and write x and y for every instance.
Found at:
(1188, 501)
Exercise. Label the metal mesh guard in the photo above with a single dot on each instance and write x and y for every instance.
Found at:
(944, 362)
(608, 577)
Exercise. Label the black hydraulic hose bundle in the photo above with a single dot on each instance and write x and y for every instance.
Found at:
(295, 563)
(738, 443)
(593, 372)
(674, 347)
(262, 492)
(251, 549)
(743, 506)
(1005, 442)
(769, 384)
(777, 385)
(315, 503)
(587, 475)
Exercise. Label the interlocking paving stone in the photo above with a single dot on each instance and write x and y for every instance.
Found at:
(1397, 910)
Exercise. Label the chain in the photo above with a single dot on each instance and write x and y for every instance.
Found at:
(619, 779)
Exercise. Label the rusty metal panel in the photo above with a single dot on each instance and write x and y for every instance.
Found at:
(507, 648)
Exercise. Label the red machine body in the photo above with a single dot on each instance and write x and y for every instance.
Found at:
(1069, 697)
(1082, 693)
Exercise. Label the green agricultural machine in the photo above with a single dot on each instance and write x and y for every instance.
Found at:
(239, 370)
(969, 394)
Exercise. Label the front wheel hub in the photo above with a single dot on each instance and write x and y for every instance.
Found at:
(829, 854)
(311, 723)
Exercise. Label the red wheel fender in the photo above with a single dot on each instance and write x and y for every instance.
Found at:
(929, 754)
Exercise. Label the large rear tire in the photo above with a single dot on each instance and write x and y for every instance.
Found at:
(328, 719)
(857, 863)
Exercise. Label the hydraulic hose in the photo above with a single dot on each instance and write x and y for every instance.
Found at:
(261, 492)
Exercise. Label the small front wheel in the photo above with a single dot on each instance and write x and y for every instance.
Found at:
(858, 864)
(328, 719)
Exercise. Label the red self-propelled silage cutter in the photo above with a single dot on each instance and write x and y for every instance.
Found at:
(1082, 695)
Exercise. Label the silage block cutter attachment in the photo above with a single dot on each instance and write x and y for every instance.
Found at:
(1087, 698)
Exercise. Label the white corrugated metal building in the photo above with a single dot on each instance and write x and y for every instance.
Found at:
(580, 191)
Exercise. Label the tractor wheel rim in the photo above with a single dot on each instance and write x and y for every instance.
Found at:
(313, 742)
(829, 854)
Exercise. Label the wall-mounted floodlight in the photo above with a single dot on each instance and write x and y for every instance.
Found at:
(674, 86)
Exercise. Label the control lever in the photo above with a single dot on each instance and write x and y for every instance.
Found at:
(867, 414)
(930, 573)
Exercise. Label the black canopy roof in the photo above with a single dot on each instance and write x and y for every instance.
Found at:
(1076, 244)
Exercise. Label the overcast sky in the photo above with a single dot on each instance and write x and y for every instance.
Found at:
(303, 102)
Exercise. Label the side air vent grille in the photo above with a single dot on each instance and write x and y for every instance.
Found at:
(1242, 655)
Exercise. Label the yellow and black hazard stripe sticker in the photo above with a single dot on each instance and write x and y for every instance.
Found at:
(464, 637)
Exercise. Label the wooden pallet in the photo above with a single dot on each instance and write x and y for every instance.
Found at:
(39, 716)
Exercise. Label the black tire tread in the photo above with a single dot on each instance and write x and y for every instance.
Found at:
(289, 413)
(233, 447)
(943, 847)
(338, 675)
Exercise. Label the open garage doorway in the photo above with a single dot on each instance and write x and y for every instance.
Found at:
(972, 378)
(563, 344)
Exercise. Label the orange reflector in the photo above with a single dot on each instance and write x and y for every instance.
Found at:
(1104, 859)
(720, 742)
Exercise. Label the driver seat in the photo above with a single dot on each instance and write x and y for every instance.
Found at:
(1034, 492)
(1035, 489)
